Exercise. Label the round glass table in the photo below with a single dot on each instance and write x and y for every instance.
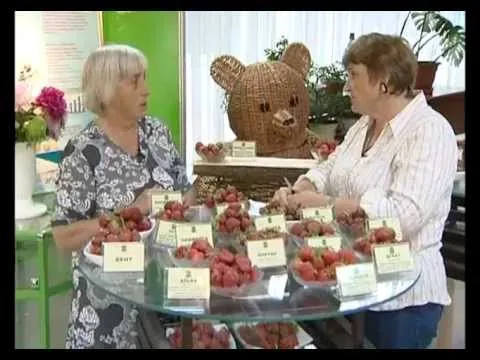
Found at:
(277, 297)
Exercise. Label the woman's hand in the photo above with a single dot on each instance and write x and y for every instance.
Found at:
(190, 197)
(281, 196)
(144, 200)
(345, 206)
(307, 199)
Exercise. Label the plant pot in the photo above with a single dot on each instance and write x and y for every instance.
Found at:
(334, 87)
(25, 178)
(426, 76)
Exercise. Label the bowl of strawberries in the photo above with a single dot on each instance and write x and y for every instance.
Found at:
(382, 235)
(232, 273)
(222, 197)
(233, 225)
(323, 148)
(303, 229)
(353, 224)
(112, 228)
(315, 267)
(210, 152)
(198, 254)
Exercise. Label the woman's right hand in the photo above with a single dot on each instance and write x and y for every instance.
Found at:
(281, 196)
(144, 201)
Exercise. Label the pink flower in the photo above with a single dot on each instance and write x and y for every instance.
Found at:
(53, 104)
(23, 97)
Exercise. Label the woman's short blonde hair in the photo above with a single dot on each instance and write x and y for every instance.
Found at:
(104, 69)
(387, 56)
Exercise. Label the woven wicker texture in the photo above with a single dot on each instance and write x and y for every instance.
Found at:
(268, 101)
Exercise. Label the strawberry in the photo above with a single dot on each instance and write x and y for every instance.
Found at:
(318, 264)
(322, 275)
(198, 146)
(307, 254)
(231, 198)
(246, 223)
(195, 256)
(201, 245)
(230, 278)
(243, 263)
(210, 202)
(384, 234)
(232, 224)
(226, 256)
(329, 257)
(296, 229)
(306, 271)
(327, 229)
(313, 227)
(177, 215)
(347, 256)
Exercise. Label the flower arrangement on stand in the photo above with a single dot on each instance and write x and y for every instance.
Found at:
(37, 118)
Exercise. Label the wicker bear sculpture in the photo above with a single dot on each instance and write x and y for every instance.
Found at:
(268, 101)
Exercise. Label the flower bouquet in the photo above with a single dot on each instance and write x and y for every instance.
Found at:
(36, 119)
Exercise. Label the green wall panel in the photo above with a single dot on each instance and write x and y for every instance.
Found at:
(157, 35)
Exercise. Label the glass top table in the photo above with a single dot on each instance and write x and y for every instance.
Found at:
(277, 297)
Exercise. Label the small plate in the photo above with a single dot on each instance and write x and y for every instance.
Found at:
(302, 336)
(217, 327)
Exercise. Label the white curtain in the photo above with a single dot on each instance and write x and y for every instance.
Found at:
(245, 35)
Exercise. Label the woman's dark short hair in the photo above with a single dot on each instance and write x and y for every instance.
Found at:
(385, 55)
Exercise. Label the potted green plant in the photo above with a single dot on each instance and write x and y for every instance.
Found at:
(432, 25)
(333, 77)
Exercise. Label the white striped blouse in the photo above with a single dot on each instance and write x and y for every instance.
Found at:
(408, 173)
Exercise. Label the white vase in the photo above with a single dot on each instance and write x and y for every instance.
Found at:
(25, 177)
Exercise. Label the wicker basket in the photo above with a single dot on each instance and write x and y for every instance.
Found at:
(268, 101)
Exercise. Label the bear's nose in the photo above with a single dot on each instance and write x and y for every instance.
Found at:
(284, 118)
(284, 123)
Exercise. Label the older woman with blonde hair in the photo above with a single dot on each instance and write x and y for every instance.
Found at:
(398, 161)
(112, 163)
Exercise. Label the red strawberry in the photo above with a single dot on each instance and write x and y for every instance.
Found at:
(306, 271)
(201, 245)
(322, 275)
(329, 257)
(243, 263)
(306, 254)
(231, 198)
(318, 264)
(230, 278)
(198, 146)
(296, 229)
(246, 223)
(177, 215)
(226, 256)
(195, 256)
(232, 224)
(210, 202)
(347, 256)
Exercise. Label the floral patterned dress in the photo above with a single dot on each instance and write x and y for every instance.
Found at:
(95, 176)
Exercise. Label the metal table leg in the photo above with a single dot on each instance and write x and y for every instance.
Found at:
(187, 333)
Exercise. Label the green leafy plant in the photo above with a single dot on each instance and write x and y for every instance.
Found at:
(276, 53)
(431, 25)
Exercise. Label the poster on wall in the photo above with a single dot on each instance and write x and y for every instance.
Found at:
(55, 44)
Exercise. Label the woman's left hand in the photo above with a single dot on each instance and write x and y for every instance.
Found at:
(190, 197)
(345, 206)
(308, 199)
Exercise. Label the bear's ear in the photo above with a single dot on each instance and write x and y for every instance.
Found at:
(297, 56)
(226, 70)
